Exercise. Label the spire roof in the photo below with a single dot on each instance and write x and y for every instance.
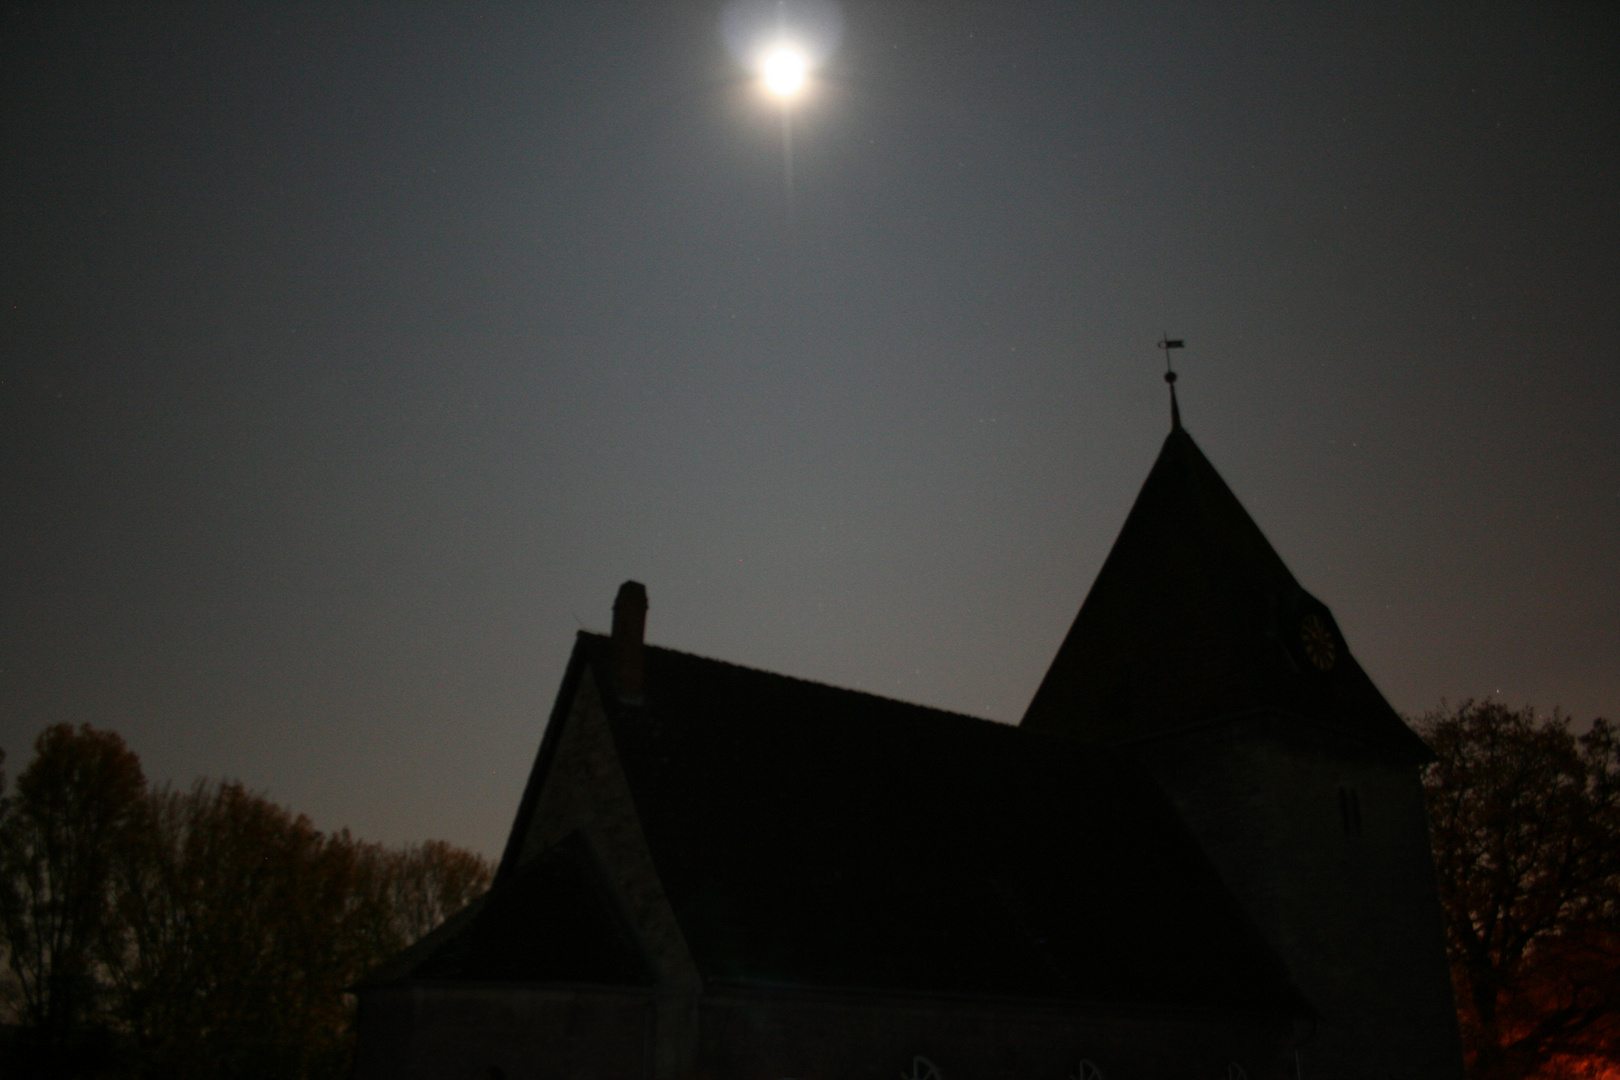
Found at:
(1194, 618)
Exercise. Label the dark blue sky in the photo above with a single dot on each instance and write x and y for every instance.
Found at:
(350, 357)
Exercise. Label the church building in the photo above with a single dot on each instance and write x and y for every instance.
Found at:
(1203, 853)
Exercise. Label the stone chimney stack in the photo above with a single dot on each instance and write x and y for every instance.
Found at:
(629, 630)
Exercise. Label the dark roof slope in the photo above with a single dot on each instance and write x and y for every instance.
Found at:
(811, 836)
(808, 836)
(1194, 617)
(553, 920)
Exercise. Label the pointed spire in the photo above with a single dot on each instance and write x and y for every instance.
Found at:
(1194, 617)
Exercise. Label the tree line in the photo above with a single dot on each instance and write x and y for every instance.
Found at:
(207, 932)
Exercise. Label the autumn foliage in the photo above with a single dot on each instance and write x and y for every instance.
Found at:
(1525, 818)
(204, 933)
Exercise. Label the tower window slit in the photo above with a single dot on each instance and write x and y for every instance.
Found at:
(1350, 810)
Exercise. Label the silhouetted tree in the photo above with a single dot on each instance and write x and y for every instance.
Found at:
(429, 882)
(206, 933)
(245, 924)
(241, 935)
(76, 807)
(1525, 817)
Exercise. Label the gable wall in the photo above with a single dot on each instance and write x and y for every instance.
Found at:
(585, 790)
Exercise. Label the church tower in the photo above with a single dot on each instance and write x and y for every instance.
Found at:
(1198, 651)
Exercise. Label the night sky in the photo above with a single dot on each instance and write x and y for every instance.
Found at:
(352, 355)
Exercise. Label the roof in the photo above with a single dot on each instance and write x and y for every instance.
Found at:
(553, 920)
(1194, 617)
(808, 836)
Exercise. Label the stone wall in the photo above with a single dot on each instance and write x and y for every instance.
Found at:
(822, 1036)
(1327, 847)
(460, 1032)
(502, 1032)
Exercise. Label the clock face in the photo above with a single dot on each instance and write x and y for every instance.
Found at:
(1320, 648)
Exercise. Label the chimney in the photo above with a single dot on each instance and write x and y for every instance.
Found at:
(629, 627)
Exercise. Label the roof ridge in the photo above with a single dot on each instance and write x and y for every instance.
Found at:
(603, 638)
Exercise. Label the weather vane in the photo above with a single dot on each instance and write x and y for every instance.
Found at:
(1166, 342)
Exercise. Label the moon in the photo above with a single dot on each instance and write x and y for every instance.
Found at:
(784, 69)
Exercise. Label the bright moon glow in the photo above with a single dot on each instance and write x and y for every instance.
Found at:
(784, 70)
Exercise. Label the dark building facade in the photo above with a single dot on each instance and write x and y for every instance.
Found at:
(1203, 853)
